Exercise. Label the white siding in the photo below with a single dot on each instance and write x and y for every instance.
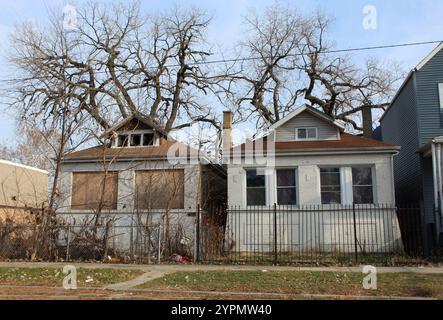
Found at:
(326, 131)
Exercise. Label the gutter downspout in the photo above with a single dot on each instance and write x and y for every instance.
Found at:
(440, 203)
(436, 173)
(393, 181)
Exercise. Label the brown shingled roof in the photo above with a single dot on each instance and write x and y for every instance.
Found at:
(347, 141)
(97, 153)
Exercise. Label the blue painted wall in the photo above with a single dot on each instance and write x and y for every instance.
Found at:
(428, 103)
(411, 122)
(400, 127)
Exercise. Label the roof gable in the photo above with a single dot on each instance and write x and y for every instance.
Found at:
(429, 57)
(136, 122)
(410, 76)
(312, 111)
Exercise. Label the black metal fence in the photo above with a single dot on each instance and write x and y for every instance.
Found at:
(308, 234)
(319, 234)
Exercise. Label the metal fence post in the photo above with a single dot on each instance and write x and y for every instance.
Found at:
(424, 246)
(355, 234)
(197, 253)
(159, 258)
(275, 234)
(68, 244)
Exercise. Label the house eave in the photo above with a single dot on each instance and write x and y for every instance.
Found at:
(316, 152)
(140, 159)
(301, 109)
(399, 91)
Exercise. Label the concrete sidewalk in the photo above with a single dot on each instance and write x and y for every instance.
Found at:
(168, 268)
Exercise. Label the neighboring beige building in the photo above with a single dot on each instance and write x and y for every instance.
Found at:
(22, 189)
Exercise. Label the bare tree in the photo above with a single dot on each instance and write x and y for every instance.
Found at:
(264, 86)
(31, 148)
(288, 61)
(339, 87)
(116, 63)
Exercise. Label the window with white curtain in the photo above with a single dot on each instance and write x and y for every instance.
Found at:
(330, 185)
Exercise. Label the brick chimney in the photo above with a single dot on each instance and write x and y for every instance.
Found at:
(366, 114)
(227, 130)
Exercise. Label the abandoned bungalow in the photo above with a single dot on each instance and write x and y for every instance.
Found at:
(140, 180)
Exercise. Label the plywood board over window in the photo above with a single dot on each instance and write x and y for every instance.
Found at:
(88, 192)
(160, 189)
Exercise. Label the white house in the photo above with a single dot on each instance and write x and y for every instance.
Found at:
(308, 160)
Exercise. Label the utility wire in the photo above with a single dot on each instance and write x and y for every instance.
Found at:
(327, 51)
(206, 62)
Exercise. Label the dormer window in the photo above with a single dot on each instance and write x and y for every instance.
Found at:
(306, 134)
(122, 140)
(138, 139)
(148, 139)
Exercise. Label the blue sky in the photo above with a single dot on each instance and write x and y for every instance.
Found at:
(399, 21)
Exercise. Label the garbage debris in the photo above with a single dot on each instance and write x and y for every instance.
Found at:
(185, 241)
(179, 258)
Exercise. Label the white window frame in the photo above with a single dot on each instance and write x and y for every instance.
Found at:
(140, 132)
(268, 186)
(440, 94)
(342, 183)
(117, 139)
(295, 169)
(307, 129)
(372, 180)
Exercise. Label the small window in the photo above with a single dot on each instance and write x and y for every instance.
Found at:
(136, 140)
(256, 188)
(286, 187)
(122, 140)
(440, 94)
(330, 186)
(148, 139)
(307, 134)
(362, 185)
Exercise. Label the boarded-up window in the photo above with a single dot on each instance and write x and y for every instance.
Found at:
(160, 189)
(88, 193)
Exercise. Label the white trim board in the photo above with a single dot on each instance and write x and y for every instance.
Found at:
(10, 163)
(299, 110)
(429, 56)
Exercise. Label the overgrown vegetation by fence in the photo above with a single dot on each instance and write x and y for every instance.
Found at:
(107, 243)
(24, 235)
